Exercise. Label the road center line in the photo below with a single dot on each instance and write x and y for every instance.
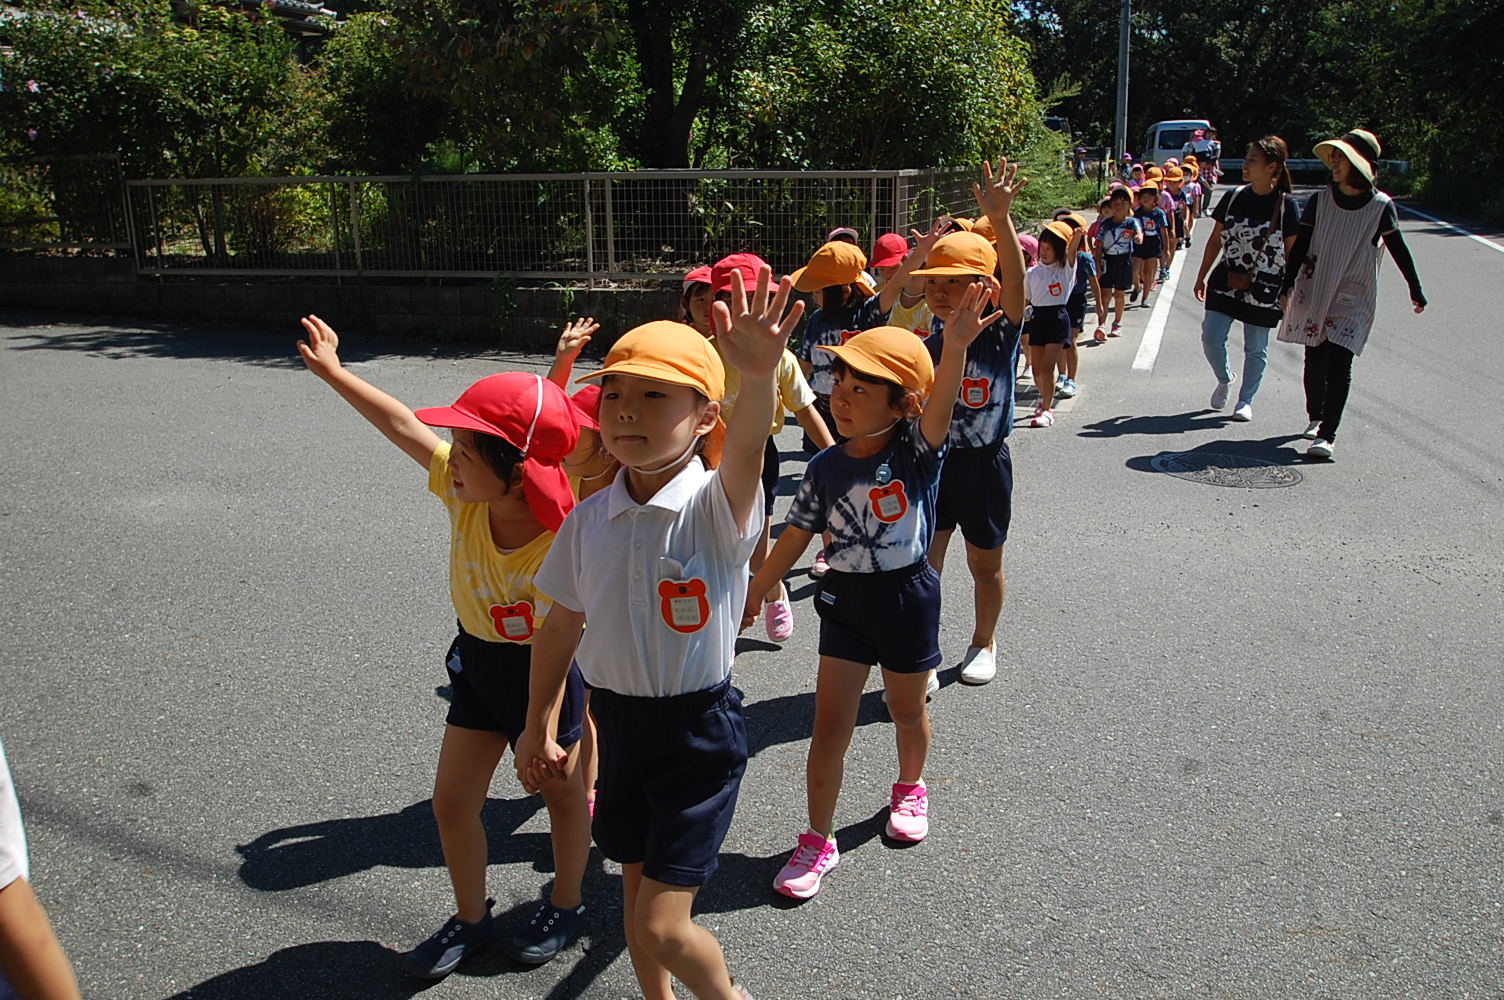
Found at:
(1456, 229)
(1159, 316)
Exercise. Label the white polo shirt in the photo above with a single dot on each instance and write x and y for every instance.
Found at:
(662, 584)
(12, 836)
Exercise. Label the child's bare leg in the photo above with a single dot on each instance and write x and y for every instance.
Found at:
(1071, 358)
(589, 765)
(1118, 297)
(467, 761)
(1045, 357)
(911, 721)
(988, 592)
(838, 697)
(651, 975)
(569, 831)
(671, 939)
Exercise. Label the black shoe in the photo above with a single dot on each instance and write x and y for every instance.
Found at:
(548, 932)
(437, 957)
(1133, 295)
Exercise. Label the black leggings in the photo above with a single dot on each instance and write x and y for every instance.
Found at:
(1329, 374)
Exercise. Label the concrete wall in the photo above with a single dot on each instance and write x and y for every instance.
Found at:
(511, 317)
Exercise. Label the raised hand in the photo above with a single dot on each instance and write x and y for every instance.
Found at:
(924, 241)
(995, 194)
(752, 333)
(967, 322)
(321, 350)
(576, 335)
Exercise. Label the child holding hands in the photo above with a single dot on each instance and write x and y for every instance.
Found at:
(880, 601)
(657, 565)
(506, 494)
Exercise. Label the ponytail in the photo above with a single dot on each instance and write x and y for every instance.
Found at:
(1277, 151)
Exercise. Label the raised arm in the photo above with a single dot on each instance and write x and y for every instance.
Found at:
(753, 336)
(995, 196)
(963, 327)
(888, 297)
(576, 335)
(386, 413)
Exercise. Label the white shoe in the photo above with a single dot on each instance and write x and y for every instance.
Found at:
(931, 688)
(1320, 448)
(979, 665)
(1242, 413)
(1311, 429)
(1219, 395)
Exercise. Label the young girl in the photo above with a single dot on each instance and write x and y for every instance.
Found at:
(506, 495)
(657, 565)
(694, 300)
(1048, 285)
(1149, 254)
(1332, 309)
(1075, 306)
(880, 601)
(1118, 236)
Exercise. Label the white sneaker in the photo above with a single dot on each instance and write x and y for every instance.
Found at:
(979, 665)
(931, 688)
(1320, 448)
(1311, 428)
(1219, 395)
(1242, 413)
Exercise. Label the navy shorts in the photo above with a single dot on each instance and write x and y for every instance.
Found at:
(889, 619)
(490, 683)
(1118, 271)
(670, 770)
(770, 459)
(1076, 310)
(1047, 325)
(976, 494)
(1147, 250)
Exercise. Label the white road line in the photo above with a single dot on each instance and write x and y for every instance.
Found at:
(1159, 316)
(1456, 229)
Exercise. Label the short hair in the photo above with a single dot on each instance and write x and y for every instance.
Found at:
(898, 396)
(499, 454)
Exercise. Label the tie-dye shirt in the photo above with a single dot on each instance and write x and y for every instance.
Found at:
(880, 510)
(984, 407)
(832, 329)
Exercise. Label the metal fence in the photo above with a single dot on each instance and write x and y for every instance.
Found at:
(588, 226)
(63, 204)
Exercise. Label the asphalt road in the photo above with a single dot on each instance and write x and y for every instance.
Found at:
(1247, 743)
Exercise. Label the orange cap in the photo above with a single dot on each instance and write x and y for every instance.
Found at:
(960, 253)
(1073, 217)
(962, 223)
(889, 352)
(1154, 173)
(836, 263)
(983, 227)
(1060, 229)
(1174, 174)
(1148, 186)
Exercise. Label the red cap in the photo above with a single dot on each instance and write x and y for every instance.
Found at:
(534, 416)
(587, 406)
(749, 264)
(890, 250)
(699, 276)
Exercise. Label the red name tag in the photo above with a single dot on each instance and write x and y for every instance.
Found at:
(684, 605)
(514, 622)
(889, 502)
(976, 391)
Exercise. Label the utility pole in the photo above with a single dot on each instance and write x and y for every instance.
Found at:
(1120, 120)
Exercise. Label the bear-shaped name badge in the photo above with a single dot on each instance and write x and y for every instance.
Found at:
(922, 332)
(848, 334)
(514, 622)
(976, 391)
(1055, 289)
(889, 502)
(684, 605)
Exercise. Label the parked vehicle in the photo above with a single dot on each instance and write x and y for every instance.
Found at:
(1168, 138)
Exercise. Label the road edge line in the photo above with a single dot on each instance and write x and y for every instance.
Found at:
(1159, 317)
(1455, 228)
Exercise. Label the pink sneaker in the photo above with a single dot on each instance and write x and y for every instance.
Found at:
(908, 816)
(820, 567)
(814, 856)
(779, 619)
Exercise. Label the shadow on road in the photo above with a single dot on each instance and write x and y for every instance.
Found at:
(1161, 423)
(1277, 450)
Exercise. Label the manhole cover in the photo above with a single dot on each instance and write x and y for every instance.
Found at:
(1226, 470)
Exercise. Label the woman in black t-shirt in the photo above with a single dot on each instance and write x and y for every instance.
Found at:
(1255, 230)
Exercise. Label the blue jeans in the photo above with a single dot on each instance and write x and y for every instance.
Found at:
(1214, 330)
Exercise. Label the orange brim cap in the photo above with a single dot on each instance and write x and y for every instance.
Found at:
(835, 263)
(960, 253)
(666, 351)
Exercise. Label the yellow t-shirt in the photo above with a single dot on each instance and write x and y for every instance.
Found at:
(492, 589)
(794, 392)
(916, 318)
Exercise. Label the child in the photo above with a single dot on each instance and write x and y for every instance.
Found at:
(657, 565)
(1049, 284)
(976, 484)
(880, 602)
(1136, 177)
(1169, 203)
(1118, 236)
(694, 300)
(1148, 253)
(1192, 190)
(506, 495)
(887, 254)
(794, 395)
(1075, 306)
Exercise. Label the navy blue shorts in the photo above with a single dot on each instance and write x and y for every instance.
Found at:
(670, 770)
(889, 619)
(1076, 310)
(1147, 250)
(1117, 271)
(490, 683)
(976, 494)
(770, 459)
(1047, 325)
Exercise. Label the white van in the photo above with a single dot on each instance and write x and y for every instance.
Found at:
(1166, 139)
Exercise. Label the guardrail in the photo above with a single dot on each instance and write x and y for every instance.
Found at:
(1304, 166)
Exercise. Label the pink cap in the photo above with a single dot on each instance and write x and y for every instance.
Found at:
(1030, 247)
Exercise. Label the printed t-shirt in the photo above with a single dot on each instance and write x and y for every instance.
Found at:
(1246, 242)
(1049, 284)
(1154, 221)
(662, 584)
(1117, 237)
(880, 510)
(492, 589)
(983, 414)
(1086, 269)
(824, 329)
(916, 317)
